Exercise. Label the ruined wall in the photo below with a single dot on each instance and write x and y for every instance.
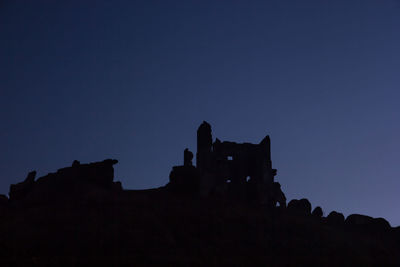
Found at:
(241, 170)
(76, 180)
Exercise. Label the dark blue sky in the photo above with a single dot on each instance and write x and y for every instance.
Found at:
(133, 80)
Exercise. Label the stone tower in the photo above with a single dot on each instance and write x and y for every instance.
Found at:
(204, 146)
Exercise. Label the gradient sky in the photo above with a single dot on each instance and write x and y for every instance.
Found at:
(132, 80)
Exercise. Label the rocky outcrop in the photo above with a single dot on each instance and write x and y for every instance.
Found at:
(317, 212)
(160, 228)
(79, 215)
(381, 224)
(335, 218)
(301, 207)
(358, 221)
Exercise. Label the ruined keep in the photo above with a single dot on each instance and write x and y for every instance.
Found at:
(238, 170)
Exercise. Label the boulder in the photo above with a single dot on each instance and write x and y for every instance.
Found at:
(381, 224)
(335, 218)
(358, 219)
(300, 207)
(317, 212)
(367, 223)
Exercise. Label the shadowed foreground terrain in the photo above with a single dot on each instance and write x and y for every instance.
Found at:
(80, 215)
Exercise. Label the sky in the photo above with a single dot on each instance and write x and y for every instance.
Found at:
(133, 80)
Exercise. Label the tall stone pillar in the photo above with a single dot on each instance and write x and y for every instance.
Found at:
(204, 144)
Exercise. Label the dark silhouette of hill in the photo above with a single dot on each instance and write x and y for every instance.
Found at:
(238, 217)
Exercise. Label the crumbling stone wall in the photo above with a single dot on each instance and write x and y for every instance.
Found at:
(69, 180)
(242, 170)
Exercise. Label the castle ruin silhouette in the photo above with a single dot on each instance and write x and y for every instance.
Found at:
(238, 170)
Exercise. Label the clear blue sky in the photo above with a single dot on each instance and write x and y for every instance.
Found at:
(133, 80)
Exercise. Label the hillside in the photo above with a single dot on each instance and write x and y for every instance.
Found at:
(79, 215)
